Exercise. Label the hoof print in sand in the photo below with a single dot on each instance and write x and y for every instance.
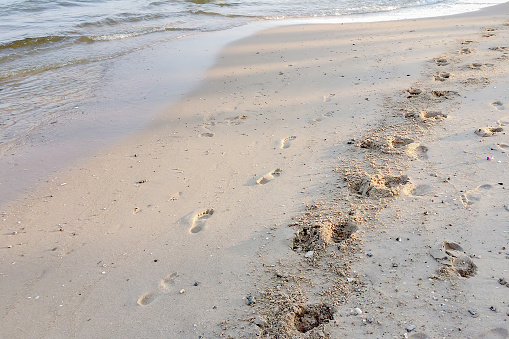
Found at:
(163, 287)
(454, 260)
(315, 237)
(269, 176)
(285, 143)
(413, 92)
(488, 131)
(465, 51)
(379, 186)
(443, 76)
(441, 61)
(444, 94)
(199, 220)
(306, 318)
(426, 116)
(392, 144)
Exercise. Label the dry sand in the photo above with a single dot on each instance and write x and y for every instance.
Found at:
(324, 181)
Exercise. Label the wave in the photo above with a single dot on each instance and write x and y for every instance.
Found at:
(200, 12)
(30, 42)
(125, 18)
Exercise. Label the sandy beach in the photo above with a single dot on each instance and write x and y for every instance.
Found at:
(324, 181)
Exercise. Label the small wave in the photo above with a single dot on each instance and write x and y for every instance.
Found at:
(30, 42)
(198, 12)
(124, 18)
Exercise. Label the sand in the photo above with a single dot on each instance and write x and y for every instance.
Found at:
(324, 181)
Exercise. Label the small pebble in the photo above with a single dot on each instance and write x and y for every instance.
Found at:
(182, 291)
(357, 311)
(250, 300)
(411, 328)
(309, 254)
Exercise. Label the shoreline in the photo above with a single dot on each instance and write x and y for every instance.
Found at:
(170, 232)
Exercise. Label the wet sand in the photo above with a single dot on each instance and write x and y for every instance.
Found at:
(323, 181)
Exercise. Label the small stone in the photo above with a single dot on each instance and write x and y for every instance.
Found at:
(395, 264)
(10, 246)
(196, 283)
(502, 281)
(473, 313)
(250, 300)
(357, 311)
(398, 239)
(182, 291)
(309, 254)
(411, 328)
(369, 254)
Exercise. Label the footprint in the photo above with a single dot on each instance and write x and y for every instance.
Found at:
(418, 151)
(465, 51)
(445, 94)
(199, 220)
(474, 195)
(206, 135)
(236, 120)
(432, 115)
(413, 92)
(327, 98)
(499, 48)
(422, 190)
(441, 61)
(503, 121)
(442, 76)
(488, 131)
(269, 176)
(498, 105)
(453, 260)
(285, 143)
(504, 148)
(163, 287)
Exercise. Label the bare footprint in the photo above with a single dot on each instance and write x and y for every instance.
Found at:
(163, 287)
(498, 105)
(473, 196)
(199, 220)
(269, 176)
(285, 143)
(327, 98)
(504, 148)
(488, 131)
(503, 121)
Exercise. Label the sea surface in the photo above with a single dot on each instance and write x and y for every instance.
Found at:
(57, 55)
